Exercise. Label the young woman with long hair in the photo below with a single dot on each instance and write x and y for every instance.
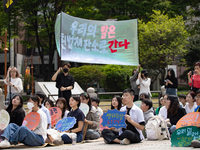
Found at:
(191, 102)
(171, 82)
(116, 102)
(62, 104)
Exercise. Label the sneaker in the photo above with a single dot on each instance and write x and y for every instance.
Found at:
(105, 141)
(4, 144)
(195, 144)
(125, 141)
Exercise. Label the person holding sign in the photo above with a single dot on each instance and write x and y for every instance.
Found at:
(92, 118)
(15, 110)
(174, 112)
(13, 82)
(14, 134)
(134, 120)
(42, 97)
(62, 104)
(64, 82)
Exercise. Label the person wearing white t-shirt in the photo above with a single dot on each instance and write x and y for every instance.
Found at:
(15, 134)
(191, 104)
(13, 82)
(144, 82)
(163, 110)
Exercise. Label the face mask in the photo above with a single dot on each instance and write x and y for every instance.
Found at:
(65, 70)
(30, 105)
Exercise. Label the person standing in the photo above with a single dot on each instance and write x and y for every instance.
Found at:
(171, 82)
(133, 79)
(13, 82)
(144, 82)
(64, 82)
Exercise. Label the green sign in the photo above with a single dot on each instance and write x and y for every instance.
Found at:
(101, 42)
(183, 136)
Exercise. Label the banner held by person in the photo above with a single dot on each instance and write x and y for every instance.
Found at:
(31, 120)
(100, 42)
(56, 114)
(114, 118)
(65, 124)
(84, 108)
(4, 119)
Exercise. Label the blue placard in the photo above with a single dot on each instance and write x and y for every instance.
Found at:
(65, 124)
(114, 118)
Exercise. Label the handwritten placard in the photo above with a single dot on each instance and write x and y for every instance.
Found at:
(183, 136)
(84, 108)
(31, 120)
(65, 124)
(4, 119)
(101, 126)
(55, 113)
(114, 118)
(190, 119)
(138, 103)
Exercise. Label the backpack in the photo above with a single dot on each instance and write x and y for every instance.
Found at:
(156, 129)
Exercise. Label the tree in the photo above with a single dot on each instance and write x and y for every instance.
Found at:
(160, 40)
(87, 75)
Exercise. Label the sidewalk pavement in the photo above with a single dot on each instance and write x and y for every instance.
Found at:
(100, 145)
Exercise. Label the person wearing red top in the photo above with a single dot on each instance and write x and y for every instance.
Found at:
(194, 80)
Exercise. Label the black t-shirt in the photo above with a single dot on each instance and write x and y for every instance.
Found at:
(18, 117)
(130, 126)
(64, 81)
(174, 119)
(78, 114)
(174, 81)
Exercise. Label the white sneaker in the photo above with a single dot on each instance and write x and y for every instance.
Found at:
(125, 141)
(4, 144)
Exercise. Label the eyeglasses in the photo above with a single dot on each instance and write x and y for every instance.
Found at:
(197, 97)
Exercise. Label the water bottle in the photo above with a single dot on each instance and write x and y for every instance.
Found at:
(74, 138)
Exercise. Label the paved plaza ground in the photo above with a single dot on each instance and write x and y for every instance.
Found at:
(100, 145)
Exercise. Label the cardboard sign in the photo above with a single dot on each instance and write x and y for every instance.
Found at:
(84, 108)
(4, 119)
(138, 103)
(65, 124)
(114, 118)
(190, 119)
(55, 113)
(31, 120)
(183, 136)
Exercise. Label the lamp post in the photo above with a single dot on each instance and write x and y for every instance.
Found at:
(4, 39)
(31, 59)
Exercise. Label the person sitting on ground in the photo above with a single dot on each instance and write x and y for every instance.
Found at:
(92, 118)
(144, 96)
(116, 102)
(196, 143)
(163, 110)
(48, 103)
(74, 103)
(182, 99)
(95, 103)
(174, 112)
(42, 97)
(15, 134)
(134, 120)
(161, 105)
(191, 102)
(61, 103)
(147, 109)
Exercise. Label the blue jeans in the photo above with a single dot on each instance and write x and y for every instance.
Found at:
(92, 134)
(68, 140)
(172, 129)
(171, 91)
(14, 134)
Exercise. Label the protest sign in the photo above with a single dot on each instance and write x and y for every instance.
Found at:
(65, 124)
(101, 42)
(190, 119)
(4, 119)
(31, 120)
(183, 136)
(138, 103)
(84, 108)
(55, 113)
(114, 118)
